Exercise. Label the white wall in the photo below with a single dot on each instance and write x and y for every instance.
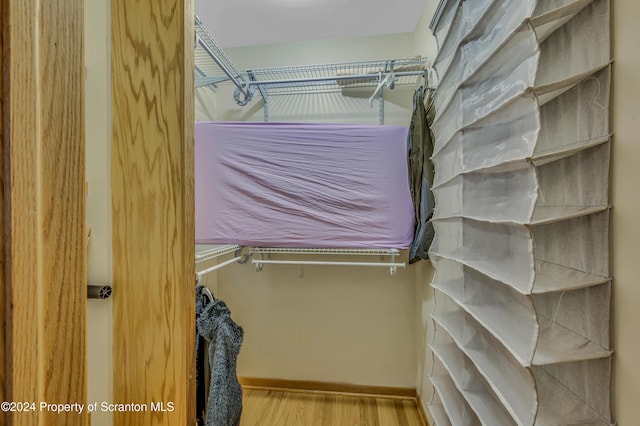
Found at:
(332, 324)
(324, 51)
(626, 208)
(206, 104)
(98, 158)
(424, 43)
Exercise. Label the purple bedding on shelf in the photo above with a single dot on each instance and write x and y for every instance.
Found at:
(302, 185)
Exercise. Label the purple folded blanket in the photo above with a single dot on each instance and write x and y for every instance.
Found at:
(302, 185)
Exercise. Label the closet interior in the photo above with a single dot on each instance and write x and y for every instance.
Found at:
(323, 314)
(515, 329)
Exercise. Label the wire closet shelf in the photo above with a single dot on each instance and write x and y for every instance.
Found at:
(261, 252)
(263, 256)
(213, 66)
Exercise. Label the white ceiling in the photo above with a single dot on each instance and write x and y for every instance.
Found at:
(236, 23)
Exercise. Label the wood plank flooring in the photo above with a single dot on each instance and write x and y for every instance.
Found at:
(283, 408)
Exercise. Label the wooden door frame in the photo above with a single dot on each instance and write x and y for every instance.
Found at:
(43, 269)
(153, 209)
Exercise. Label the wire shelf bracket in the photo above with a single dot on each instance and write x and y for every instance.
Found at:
(205, 253)
(263, 92)
(211, 59)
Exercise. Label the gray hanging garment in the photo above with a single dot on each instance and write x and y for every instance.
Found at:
(224, 405)
(421, 172)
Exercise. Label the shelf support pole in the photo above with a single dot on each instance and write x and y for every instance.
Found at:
(381, 107)
(263, 92)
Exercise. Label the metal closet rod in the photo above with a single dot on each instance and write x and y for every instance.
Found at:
(258, 263)
(392, 265)
(340, 251)
(331, 78)
(218, 266)
(325, 263)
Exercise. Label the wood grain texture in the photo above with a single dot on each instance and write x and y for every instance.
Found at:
(44, 207)
(188, 193)
(152, 202)
(313, 386)
(3, 319)
(63, 204)
(274, 407)
(22, 244)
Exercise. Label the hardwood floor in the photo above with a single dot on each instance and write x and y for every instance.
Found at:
(283, 408)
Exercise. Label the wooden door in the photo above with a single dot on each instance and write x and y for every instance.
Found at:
(153, 210)
(43, 296)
